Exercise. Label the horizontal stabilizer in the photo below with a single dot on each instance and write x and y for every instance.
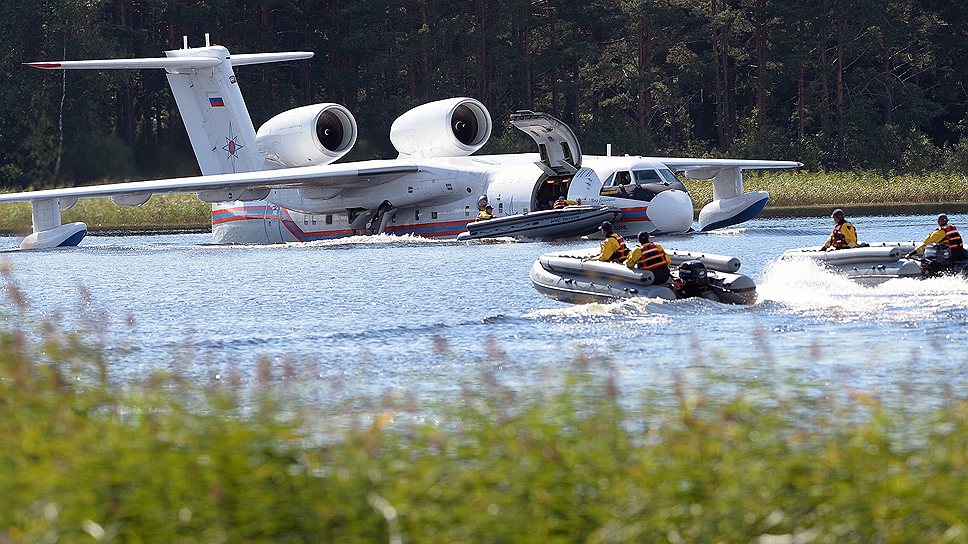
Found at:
(175, 63)
(262, 58)
(121, 64)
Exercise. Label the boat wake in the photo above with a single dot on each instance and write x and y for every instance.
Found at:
(641, 309)
(805, 287)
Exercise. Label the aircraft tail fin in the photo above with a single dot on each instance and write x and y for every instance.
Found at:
(208, 97)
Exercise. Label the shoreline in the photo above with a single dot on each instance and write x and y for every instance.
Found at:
(771, 212)
(906, 208)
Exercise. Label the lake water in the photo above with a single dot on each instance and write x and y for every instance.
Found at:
(364, 316)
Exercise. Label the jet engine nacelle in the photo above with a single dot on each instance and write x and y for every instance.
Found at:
(316, 134)
(455, 127)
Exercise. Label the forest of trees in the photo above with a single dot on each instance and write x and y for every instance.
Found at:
(836, 84)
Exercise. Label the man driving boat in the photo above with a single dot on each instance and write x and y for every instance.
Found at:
(948, 235)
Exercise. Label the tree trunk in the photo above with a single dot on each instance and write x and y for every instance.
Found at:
(761, 82)
(840, 138)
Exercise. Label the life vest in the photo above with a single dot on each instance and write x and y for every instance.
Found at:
(652, 257)
(839, 240)
(951, 237)
(622, 252)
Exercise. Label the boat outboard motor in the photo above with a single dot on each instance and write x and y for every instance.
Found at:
(694, 278)
(936, 260)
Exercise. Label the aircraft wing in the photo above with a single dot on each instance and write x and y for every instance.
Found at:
(687, 164)
(355, 174)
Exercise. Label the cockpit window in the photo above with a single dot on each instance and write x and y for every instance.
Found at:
(646, 176)
(668, 176)
(647, 183)
(618, 178)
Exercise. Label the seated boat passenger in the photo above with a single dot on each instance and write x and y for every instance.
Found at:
(563, 202)
(844, 235)
(946, 234)
(485, 214)
(650, 256)
(613, 246)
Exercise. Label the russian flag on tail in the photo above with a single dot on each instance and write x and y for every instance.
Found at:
(215, 101)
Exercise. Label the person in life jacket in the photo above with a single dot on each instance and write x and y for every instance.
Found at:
(485, 214)
(650, 256)
(844, 234)
(613, 246)
(563, 202)
(945, 234)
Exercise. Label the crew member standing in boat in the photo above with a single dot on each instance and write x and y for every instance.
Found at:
(844, 235)
(650, 256)
(945, 234)
(613, 246)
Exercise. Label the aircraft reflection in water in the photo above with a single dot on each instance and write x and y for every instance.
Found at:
(280, 184)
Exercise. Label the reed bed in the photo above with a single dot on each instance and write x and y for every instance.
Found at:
(160, 212)
(706, 460)
(803, 189)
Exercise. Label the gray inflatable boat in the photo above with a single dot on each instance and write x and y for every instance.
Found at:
(568, 278)
(878, 262)
(869, 265)
(544, 224)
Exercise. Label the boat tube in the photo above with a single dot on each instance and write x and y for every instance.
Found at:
(544, 224)
(569, 278)
(869, 264)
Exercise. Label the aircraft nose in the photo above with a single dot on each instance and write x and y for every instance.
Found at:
(671, 211)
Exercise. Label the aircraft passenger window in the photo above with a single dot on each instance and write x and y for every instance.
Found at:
(623, 178)
(646, 176)
(500, 207)
(314, 219)
(467, 211)
(433, 215)
(329, 219)
(416, 215)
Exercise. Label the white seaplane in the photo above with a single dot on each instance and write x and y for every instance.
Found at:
(279, 184)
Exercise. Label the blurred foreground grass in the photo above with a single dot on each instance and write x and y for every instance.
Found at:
(87, 459)
(787, 189)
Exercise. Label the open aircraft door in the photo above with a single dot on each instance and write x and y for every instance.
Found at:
(559, 150)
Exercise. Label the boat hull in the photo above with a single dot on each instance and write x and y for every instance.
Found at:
(870, 265)
(567, 278)
(546, 224)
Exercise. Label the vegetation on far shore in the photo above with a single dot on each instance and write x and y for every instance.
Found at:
(182, 211)
(802, 189)
(788, 189)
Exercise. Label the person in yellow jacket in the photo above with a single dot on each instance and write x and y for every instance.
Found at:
(563, 202)
(613, 246)
(650, 256)
(945, 234)
(844, 235)
(485, 214)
